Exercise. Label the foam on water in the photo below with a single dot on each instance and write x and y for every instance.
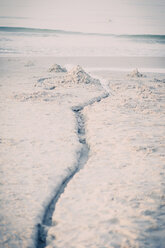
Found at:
(54, 42)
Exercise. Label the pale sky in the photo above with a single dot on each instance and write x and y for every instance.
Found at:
(112, 16)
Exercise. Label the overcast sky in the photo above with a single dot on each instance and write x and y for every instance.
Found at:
(113, 16)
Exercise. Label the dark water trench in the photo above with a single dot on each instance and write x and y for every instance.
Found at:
(82, 159)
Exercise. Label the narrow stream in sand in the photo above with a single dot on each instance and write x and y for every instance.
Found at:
(83, 157)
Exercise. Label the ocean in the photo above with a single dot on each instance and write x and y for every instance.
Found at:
(23, 41)
(121, 33)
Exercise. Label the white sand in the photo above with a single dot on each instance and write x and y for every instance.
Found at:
(117, 199)
(39, 147)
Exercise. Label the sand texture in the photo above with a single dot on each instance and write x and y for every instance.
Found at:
(108, 134)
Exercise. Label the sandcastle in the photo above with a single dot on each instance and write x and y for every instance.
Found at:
(136, 73)
(75, 76)
(78, 75)
(57, 68)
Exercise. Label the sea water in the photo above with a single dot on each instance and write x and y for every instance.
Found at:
(130, 32)
(51, 42)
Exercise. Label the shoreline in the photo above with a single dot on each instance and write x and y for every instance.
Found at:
(98, 63)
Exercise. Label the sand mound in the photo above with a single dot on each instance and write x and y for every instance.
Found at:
(57, 68)
(136, 73)
(78, 75)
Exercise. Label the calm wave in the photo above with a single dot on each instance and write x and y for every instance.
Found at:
(136, 37)
(55, 42)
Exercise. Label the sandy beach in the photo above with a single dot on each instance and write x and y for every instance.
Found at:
(82, 124)
(82, 157)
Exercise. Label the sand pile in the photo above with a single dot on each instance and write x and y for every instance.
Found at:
(135, 73)
(75, 76)
(57, 68)
(78, 75)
